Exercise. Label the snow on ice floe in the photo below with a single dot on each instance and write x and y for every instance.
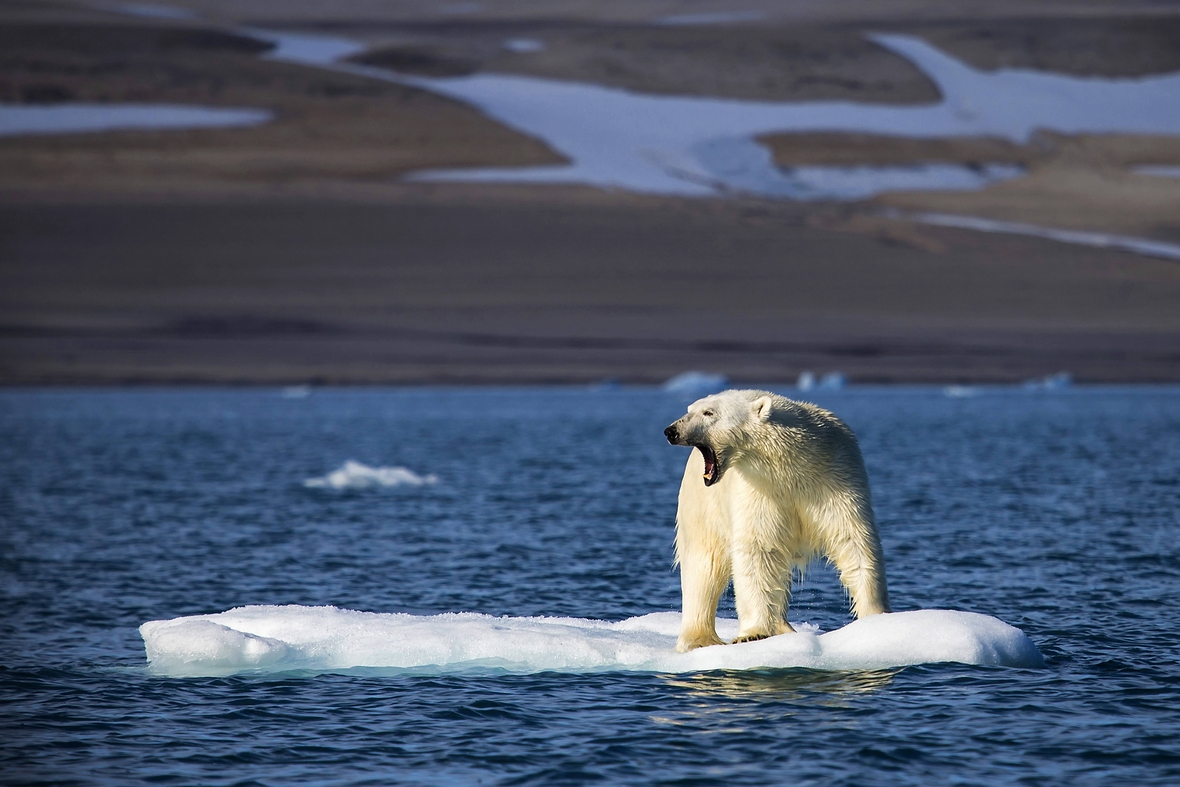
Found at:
(355, 475)
(327, 639)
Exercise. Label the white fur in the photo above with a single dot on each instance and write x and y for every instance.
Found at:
(792, 488)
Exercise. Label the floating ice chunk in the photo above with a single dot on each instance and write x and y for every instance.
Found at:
(523, 45)
(1054, 382)
(806, 380)
(960, 391)
(327, 639)
(355, 475)
(832, 381)
(296, 392)
(695, 384)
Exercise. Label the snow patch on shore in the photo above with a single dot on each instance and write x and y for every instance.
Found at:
(74, 118)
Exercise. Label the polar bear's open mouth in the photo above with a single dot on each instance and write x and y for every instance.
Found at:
(711, 475)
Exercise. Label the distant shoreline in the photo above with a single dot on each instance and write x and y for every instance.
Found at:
(504, 290)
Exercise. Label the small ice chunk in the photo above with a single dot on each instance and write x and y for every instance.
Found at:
(355, 475)
(806, 380)
(832, 381)
(960, 391)
(695, 384)
(1054, 382)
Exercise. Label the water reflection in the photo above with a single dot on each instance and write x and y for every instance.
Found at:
(784, 687)
(725, 702)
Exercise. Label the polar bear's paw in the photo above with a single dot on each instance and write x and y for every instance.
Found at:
(689, 642)
(754, 636)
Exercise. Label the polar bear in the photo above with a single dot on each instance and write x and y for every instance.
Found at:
(773, 485)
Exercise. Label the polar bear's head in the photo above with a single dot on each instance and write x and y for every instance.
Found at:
(720, 427)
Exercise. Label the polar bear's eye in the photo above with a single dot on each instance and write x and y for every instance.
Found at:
(708, 413)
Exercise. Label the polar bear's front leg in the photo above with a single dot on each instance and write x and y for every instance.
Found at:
(703, 577)
(762, 562)
(702, 551)
(761, 592)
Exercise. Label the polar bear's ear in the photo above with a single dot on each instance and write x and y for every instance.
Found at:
(761, 408)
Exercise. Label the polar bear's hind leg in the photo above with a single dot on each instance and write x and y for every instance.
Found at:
(854, 548)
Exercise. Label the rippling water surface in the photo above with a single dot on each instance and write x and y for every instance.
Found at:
(1055, 511)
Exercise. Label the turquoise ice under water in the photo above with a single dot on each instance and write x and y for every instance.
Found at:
(1053, 511)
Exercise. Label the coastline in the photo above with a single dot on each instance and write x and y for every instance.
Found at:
(454, 286)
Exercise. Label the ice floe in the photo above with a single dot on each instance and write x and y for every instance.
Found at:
(327, 639)
(355, 475)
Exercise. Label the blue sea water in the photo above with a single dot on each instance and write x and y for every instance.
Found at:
(1057, 512)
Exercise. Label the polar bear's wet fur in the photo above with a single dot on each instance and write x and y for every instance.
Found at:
(772, 485)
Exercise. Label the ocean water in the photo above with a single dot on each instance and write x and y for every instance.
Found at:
(1055, 511)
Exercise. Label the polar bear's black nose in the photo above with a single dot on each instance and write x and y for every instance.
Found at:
(671, 433)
